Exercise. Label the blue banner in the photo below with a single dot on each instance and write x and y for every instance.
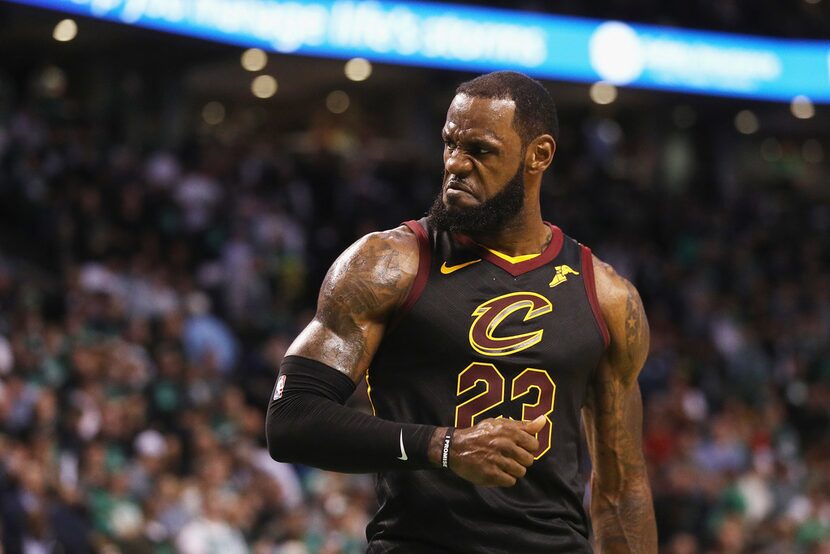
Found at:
(483, 39)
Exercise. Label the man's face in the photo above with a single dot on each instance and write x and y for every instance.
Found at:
(483, 185)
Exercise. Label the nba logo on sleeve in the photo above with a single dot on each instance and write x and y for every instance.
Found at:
(280, 386)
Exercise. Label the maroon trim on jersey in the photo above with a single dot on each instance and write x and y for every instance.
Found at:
(424, 260)
(591, 291)
(557, 238)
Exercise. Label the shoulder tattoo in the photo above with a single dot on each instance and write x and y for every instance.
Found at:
(636, 324)
(366, 281)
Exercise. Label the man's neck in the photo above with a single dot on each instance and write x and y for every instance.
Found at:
(523, 235)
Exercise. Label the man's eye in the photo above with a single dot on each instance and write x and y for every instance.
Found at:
(450, 145)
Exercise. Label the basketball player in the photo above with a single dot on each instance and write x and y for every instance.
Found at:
(483, 332)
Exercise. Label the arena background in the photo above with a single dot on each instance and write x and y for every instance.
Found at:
(166, 217)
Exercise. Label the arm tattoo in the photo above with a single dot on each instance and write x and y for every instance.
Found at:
(361, 290)
(621, 507)
(356, 290)
(621, 504)
(637, 332)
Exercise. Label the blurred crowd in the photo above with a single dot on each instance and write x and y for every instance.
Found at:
(147, 297)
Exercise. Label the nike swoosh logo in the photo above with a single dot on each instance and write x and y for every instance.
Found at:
(403, 455)
(446, 270)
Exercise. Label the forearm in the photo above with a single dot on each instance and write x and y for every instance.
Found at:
(308, 424)
(623, 519)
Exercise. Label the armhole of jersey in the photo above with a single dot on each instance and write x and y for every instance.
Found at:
(591, 291)
(421, 276)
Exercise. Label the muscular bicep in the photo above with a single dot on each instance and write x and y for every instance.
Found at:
(362, 290)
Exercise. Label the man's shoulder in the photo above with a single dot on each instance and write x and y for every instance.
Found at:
(624, 315)
(612, 288)
(390, 248)
(402, 239)
(375, 273)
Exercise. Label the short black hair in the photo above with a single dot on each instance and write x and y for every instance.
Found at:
(535, 110)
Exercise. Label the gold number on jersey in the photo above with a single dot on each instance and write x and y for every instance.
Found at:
(491, 389)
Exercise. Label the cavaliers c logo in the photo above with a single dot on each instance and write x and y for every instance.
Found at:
(488, 317)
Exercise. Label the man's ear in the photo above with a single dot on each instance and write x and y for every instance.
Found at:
(540, 154)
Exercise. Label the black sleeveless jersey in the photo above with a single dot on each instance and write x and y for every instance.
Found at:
(481, 337)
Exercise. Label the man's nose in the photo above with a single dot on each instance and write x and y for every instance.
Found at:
(458, 163)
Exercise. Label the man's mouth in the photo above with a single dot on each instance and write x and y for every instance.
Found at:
(461, 186)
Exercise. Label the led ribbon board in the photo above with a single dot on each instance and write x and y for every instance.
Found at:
(482, 39)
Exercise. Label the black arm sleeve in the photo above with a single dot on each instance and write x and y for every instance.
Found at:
(307, 423)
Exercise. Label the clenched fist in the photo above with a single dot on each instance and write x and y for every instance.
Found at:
(494, 452)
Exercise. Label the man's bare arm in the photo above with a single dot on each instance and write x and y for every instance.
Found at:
(621, 504)
(361, 291)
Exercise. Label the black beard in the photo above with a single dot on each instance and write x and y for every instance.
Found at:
(487, 218)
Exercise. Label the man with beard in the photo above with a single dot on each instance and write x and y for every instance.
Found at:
(483, 333)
